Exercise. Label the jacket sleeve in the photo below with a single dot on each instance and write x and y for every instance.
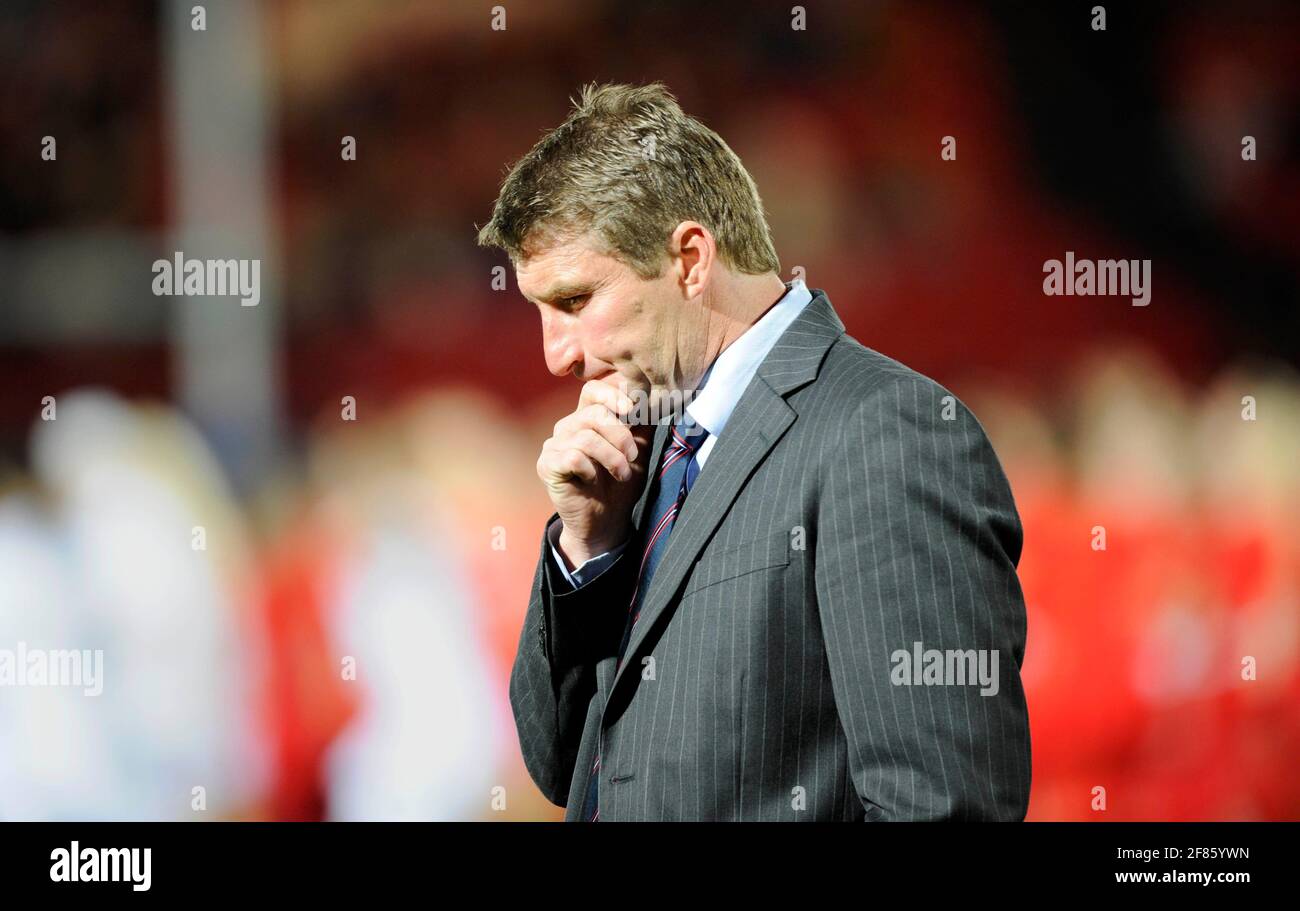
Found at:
(917, 544)
(566, 632)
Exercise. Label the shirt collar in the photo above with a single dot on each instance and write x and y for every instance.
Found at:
(730, 374)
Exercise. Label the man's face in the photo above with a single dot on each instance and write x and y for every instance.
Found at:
(601, 321)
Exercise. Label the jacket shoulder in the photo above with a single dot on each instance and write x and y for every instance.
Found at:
(852, 373)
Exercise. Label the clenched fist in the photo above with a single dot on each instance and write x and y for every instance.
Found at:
(594, 469)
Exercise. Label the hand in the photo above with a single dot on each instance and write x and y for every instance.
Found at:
(594, 469)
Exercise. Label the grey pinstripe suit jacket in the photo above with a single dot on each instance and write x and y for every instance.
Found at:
(848, 511)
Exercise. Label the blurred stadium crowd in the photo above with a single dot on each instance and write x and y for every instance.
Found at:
(406, 540)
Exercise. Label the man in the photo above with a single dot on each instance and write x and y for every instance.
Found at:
(795, 599)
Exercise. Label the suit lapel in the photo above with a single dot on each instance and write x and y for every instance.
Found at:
(760, 419)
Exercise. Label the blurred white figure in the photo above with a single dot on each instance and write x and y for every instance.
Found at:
(117, 571)
(54, 742)
(1134, 452)
(427, 735)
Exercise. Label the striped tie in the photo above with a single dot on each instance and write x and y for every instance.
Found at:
(676, 474)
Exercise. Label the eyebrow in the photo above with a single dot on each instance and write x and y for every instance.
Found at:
(564, 290)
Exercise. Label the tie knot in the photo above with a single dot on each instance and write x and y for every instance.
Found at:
(687, 434)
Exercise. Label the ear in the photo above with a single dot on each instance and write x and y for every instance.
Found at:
(693, 252)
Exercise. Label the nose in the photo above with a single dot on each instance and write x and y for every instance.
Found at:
(560, 344)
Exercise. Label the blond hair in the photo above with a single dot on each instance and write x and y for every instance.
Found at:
(629, 165)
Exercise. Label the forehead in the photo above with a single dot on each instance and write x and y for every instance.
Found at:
(561, 269)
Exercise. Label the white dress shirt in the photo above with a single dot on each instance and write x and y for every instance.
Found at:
(712, 406)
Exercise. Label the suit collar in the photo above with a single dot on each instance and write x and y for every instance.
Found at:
(797, 356)
(729, 374)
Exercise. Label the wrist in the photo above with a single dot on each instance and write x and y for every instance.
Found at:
(577, 551)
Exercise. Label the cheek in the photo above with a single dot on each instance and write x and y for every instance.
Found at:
(612, 333)
(595, 331)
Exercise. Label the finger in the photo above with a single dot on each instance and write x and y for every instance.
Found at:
(601, 450)
(596, 392)
(599, 418)
(572, 463)
(603, 421)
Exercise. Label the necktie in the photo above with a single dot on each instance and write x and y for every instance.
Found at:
(677, 472)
